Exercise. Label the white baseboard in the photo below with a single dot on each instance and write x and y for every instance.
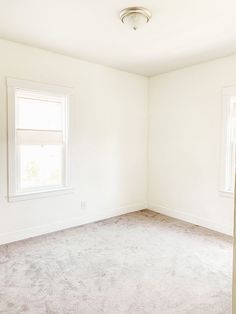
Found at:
(61, 225)
(192, 219)
(105, 214)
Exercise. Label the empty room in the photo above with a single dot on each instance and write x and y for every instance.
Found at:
(117, 156)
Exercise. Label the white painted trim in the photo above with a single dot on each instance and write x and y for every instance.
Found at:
(191, 219)
(229, 90)
(42, 194)
(35, 86)
(96, 215)
(228, 194)
(226, 177)
(49, 90)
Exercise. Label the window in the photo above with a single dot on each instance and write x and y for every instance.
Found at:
(37, 139)
(228, 140)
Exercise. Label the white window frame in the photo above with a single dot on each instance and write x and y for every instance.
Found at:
(227, 148)
(53, 91)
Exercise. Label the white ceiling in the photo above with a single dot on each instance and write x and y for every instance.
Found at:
(180, 33)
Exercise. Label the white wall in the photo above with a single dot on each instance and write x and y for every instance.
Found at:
(184, 144)
(108, 142)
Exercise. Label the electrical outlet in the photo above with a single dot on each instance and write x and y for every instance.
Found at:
(83, 204)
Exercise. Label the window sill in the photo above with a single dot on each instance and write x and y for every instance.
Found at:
(39, 194)
(226, 193)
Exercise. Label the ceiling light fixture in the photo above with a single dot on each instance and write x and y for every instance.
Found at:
(135, 17)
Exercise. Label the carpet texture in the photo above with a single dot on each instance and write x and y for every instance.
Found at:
(142, 262)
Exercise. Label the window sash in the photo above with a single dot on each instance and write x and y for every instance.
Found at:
(46, 188)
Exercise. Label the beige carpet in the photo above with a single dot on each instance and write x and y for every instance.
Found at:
(137, 263)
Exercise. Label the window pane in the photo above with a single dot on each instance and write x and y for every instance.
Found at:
(39, 114)
(40, 166)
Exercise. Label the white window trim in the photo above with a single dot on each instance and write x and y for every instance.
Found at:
(13, 194)
(225, 165)
(43, 194)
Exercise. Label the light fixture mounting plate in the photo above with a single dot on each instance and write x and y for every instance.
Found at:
(132, 10)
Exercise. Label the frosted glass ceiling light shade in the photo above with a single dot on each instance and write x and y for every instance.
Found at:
(135, 17)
